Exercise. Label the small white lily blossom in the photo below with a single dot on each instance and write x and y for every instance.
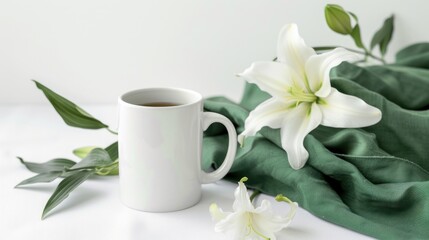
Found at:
(248, 222)
(302, 96)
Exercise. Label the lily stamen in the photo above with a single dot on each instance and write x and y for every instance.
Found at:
(302, 96)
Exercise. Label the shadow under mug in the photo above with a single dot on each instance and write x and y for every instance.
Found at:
(160, 145)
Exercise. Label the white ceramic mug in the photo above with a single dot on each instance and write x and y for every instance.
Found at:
(160, 148)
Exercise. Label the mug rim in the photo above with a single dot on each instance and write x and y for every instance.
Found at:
(197, 97)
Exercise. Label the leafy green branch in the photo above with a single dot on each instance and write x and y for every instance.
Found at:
(340, 21)
(94, 160)
(72, 114)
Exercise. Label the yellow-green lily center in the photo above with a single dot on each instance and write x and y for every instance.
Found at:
(300, 95)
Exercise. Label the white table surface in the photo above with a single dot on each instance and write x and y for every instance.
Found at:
(93, 210)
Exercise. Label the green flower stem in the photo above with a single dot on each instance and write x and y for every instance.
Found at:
(254, 195)
(366, 53)
(111, 131)
(105, 170)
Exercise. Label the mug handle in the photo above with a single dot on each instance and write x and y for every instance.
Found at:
(208, 119)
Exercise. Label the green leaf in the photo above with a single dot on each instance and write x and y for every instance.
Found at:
(113, 168)
(41, 177)
(57, 164)
(82, 152)
(113, 151)
(383, 36)
(338, 19)
(354, 17)
(357, 37)
(63, 190)
(98, 157)
(72, 114)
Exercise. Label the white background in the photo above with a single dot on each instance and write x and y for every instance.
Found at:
(93, 50)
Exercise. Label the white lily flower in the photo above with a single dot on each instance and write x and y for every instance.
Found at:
(248, 222)
(302, 96)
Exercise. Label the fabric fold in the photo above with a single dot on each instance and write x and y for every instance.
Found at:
(372, 180)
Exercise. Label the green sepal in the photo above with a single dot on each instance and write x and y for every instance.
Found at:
(72, 114)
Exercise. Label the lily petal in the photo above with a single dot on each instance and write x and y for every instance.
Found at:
(265, 217)
(269, 113)
(217, 213)
(242, 200)
(234, 225)
(345, 111)
(266, 223)
(318, 67)
(296, 125)
(271, 77)
(292, 50)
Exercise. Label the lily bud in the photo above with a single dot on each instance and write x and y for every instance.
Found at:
(338, 19)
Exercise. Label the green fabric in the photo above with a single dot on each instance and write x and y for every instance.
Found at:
(372, 180)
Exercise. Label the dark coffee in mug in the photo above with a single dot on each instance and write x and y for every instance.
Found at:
(159, 104)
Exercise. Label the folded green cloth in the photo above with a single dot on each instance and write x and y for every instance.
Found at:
(372, 180)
